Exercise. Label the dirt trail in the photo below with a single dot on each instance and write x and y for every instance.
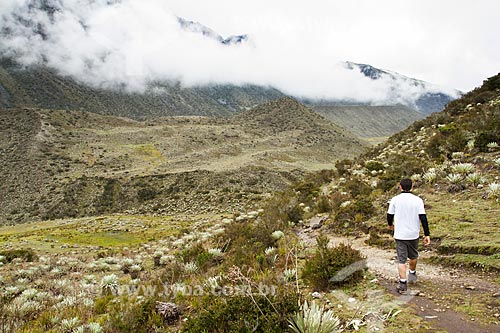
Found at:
(435, 282)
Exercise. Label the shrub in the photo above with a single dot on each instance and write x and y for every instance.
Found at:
(323, 204)
(25, 254)
(342, 166)
(285, 207)
(198, 256)
(242, 313)
(134, 316)
(353, 212)
(357, 188)
(246, 240)
(374, 165)
(484, 138)
(401, 166)
(145, 194)
(333, 266)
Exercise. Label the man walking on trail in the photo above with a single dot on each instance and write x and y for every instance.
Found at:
(407, 211)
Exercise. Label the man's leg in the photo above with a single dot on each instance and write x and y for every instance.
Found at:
(402, 254)
(413, 264)
(413, 254)
(402, 271)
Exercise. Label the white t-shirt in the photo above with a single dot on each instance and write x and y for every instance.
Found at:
(406, 207)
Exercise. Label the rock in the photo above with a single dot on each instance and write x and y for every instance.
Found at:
(316, 295)
(169, 311)
(374, 280)
(414, 292)
(470, 287)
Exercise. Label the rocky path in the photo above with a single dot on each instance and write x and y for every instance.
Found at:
(429, 296)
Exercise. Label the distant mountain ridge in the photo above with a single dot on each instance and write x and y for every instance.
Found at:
(197, 27)
(42, 87)
(416, 94)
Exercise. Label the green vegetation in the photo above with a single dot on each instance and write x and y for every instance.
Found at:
(333, 266)
(23, 254)
(244, 313)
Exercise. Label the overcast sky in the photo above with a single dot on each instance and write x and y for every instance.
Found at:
(295, 46)
(455, 43)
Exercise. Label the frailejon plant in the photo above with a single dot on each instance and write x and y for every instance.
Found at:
(494, 189)
(430, 177)
(416, 177)
(109, 284)
(69, 325)
(454, 178)
(277, 234)
(190, 267)
(314, 319)
(216, 252)
(474, 179)
(463, 168)
(289, 274)
(94, 327)
(492, 146)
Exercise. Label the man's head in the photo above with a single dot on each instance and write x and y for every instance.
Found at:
(406, 184)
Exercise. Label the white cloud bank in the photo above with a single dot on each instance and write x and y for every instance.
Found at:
(294, 48)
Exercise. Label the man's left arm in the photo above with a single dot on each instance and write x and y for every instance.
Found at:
(425, 225)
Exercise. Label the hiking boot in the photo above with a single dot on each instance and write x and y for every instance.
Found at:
(412, 277)
(402, 288)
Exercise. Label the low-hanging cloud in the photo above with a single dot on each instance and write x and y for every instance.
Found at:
(132, 44)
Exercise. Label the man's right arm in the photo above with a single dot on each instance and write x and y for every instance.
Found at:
(390, 219)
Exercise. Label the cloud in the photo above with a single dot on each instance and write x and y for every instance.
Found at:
(132, 43)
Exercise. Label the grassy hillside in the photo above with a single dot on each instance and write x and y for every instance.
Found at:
(376, 122)
(71, 163)
(40, 87)
(454, 159)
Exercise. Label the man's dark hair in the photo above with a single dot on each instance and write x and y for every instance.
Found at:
(406, 184)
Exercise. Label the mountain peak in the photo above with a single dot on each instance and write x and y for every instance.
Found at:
(417, 94)
(196, 27)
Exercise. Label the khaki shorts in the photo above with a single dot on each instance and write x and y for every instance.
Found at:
(406, 249)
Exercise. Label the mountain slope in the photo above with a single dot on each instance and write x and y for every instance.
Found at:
(453, 158)
(43, 88)
(417, 94)
(370, 121)
(286, 115)
(72, 163)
